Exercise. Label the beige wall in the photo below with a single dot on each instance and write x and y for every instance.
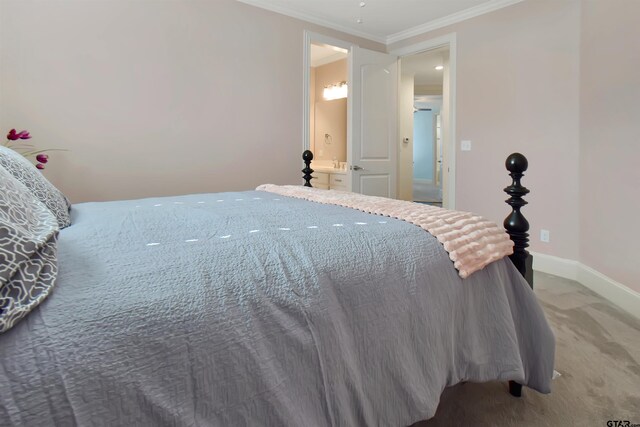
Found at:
(518, 90)
(159, 98)
(610, 139)
(559, 82)
(156, 97)
(330, 116)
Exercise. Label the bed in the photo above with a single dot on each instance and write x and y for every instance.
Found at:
(254, 308)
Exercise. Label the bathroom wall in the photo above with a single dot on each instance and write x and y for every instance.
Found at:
(331, 130)
(330, 117)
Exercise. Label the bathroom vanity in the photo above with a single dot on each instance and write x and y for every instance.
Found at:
(330, 179)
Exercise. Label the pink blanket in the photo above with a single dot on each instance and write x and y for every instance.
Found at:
(471, 241)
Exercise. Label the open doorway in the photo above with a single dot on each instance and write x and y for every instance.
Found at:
(427, 69)
(427, 156)
(328, 93)
(427, 122)
(371, 127)
(326, 97)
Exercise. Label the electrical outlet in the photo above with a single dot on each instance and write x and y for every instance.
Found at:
(544, 236)
(465, 145)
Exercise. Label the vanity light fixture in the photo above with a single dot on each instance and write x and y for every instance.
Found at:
(439, 67)
(335, 91)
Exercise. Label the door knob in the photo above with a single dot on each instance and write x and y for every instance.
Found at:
(356, 168)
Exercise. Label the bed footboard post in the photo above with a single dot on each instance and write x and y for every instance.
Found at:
(307, 156)
(515, 389)
(516, 224)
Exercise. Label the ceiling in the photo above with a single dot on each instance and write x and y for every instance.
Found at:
(325, 54)
(422, 66)
(384, 21)
(427, 80)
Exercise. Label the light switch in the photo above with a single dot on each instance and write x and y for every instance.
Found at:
(465, 145)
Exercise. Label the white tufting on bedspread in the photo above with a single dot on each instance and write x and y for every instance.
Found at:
(471, 241)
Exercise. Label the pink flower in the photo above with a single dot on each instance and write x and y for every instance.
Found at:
(42, 158)
(14, 136)
(40, 166)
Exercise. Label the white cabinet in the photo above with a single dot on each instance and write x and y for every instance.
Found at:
(329, 181)
(320, 180)
(337, 181)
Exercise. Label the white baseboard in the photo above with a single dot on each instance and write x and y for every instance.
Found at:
(615, 292)
(562, 267)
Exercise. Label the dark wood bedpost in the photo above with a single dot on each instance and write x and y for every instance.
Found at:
(517, 226)
(307, 156)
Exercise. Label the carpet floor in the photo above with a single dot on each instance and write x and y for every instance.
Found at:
(597, 355)
(429, 193)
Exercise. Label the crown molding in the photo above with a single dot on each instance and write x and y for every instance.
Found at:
(265, 4)
(454, 18)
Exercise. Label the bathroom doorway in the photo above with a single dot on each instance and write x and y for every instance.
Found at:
(371, 88)
(328, 94)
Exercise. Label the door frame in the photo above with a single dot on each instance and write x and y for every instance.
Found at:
(449, 149)
(309, 38)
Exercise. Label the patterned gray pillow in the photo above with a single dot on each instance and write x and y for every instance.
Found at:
(33, 179)
(28, 237)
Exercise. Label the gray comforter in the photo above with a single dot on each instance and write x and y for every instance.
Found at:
(250, 308)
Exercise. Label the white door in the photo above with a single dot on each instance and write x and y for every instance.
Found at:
(372, 147)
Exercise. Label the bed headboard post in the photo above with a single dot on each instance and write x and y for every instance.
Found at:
(516, 224)
(307, 156)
